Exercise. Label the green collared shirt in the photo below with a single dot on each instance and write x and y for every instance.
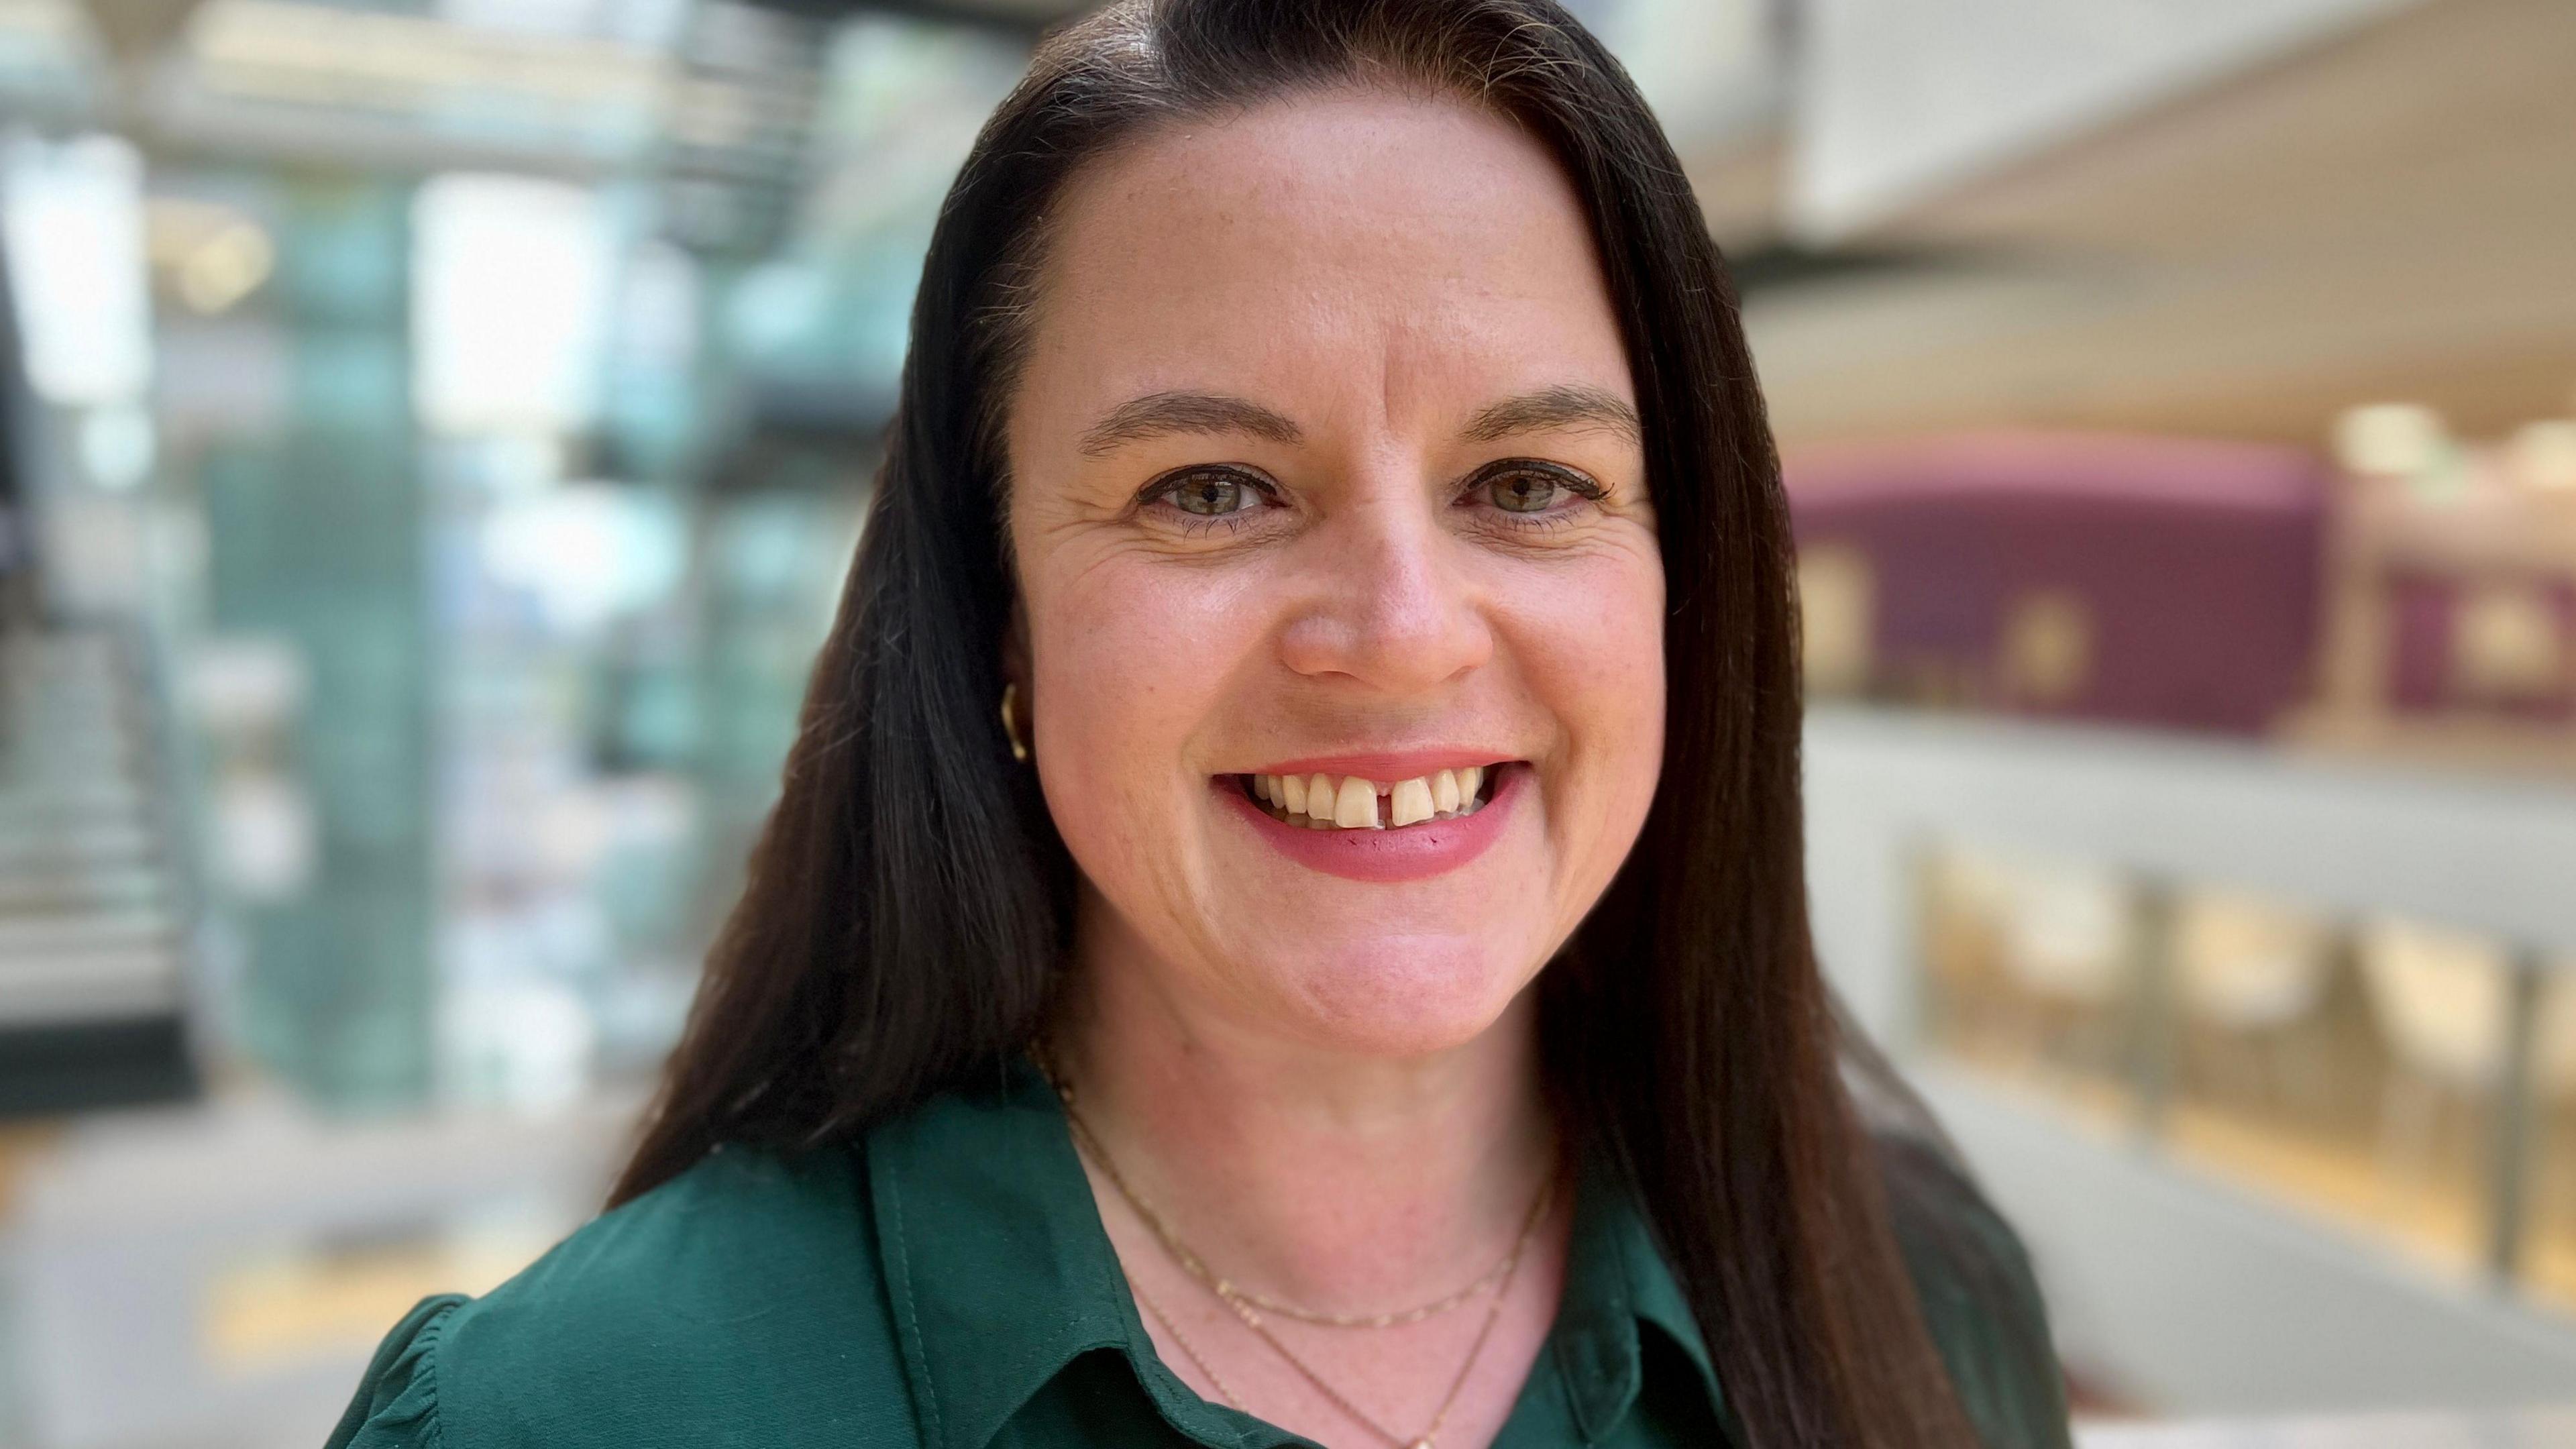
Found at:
(947, 1285)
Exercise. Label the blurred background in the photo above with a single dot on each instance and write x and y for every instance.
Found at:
(432, 433)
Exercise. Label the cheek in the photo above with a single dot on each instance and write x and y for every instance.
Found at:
(1592, 646)
(1128, 660)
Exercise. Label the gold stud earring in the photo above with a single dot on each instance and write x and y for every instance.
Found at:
(1011, 722)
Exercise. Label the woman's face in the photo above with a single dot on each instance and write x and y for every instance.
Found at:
(1326, 470)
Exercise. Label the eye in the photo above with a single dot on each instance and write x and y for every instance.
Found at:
(1532, 488)
(1524, 493)
(1209, 492)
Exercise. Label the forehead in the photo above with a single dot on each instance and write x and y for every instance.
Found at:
(1351, 250)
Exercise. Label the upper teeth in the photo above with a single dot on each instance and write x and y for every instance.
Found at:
(1348, 802)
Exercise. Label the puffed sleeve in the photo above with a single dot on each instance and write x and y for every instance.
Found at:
(396, 1406)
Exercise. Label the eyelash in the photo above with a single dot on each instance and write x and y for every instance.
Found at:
(1199, 524)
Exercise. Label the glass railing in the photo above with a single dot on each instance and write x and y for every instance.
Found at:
(2411, 1082)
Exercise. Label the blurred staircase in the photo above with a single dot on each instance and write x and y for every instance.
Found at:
(96, 903)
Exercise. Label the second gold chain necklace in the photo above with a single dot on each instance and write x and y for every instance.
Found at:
(1249, 1307)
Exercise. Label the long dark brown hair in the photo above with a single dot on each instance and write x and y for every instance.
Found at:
(908, 908)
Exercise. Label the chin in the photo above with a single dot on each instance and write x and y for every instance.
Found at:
(1401, 996)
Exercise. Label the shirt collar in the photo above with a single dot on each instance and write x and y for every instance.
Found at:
(1616, 1279)
(998, 1275)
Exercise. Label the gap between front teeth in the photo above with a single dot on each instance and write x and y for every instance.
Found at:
(1323, 802)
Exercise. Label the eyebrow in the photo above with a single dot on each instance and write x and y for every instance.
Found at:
(1163, 414)
(1571, 409)
(1160, 414)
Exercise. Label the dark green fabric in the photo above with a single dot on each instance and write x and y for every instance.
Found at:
(947, 1285)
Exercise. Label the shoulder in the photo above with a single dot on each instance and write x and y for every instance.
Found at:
(1980, 1298)
(740, 1302)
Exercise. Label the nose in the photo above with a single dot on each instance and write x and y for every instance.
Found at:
(1388, 603)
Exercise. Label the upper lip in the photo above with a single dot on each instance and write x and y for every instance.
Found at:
(1387, 765)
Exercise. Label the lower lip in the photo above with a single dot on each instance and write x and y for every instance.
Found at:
(1411, 852)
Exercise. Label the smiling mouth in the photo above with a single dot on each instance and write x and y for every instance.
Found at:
(1349, 802)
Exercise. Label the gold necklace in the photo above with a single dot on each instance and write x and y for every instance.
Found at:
(1197, 1268)
(1248, 1307)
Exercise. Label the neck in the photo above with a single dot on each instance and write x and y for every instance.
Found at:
(1344, 1181)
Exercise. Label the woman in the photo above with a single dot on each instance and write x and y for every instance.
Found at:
(1355, 986)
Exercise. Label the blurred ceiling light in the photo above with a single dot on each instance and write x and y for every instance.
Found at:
(2506, 643)
(71, 213)
(2543, 455)
(213, 255)
(2047, 649)
(586, 551)
(510, 296)
(2390, 440)
(229, 266)
(1838, 614)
